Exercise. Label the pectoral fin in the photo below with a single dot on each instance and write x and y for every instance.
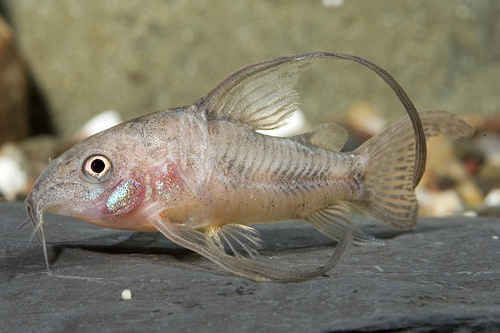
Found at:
(205, 245)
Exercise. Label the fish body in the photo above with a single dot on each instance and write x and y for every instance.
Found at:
(211, 174)
(202, 175)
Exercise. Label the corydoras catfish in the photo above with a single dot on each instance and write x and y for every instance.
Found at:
(201, 174)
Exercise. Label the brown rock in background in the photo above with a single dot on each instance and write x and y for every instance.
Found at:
(13, 90)
(141, 56)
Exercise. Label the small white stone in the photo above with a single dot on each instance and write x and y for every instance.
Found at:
(126, 294)
(494, 237)
(470, 213)
(492, 199)
(13, 178)
(439, 203)
(332, 3)
(294, 125)
(99, 123)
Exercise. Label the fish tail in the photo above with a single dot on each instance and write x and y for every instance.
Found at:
(389, 164)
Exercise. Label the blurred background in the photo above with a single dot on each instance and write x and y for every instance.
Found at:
(65, 64)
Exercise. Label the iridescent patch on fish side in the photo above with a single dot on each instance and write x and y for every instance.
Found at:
(124, 197)
(168, 182)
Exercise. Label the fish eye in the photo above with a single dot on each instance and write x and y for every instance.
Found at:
(97, 167)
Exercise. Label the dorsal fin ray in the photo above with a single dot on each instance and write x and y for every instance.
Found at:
(262, 97)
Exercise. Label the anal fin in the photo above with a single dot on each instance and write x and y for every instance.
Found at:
(335, 221)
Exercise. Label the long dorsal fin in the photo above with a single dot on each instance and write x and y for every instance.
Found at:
(262, 96)
(329, 136)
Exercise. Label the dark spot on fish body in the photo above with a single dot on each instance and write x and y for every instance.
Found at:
(307, 187)
(291, 189)
(311, 186)
(356, 180)
(315, 174)
(240, 169)
(223, 158)
(283, 170)
(358, 189)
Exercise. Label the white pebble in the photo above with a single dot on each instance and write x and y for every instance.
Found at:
(439, 203)
(126, 294)
(294, 125)
(494, 237)
(492, 199)
(470, 213)
(13, 178)
(332, 3)
(99, 123)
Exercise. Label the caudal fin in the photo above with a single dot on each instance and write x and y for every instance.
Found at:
(389, 163)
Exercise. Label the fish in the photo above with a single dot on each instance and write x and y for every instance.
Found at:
(203, 175)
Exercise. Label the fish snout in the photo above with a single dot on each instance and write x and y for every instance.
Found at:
(41, 198)
(35, 216)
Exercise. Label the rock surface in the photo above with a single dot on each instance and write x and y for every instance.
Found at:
(137, 57)
(442, 277)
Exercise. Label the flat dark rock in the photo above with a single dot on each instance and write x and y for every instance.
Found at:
(443, 276)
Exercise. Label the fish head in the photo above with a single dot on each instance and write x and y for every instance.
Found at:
(99, 180)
